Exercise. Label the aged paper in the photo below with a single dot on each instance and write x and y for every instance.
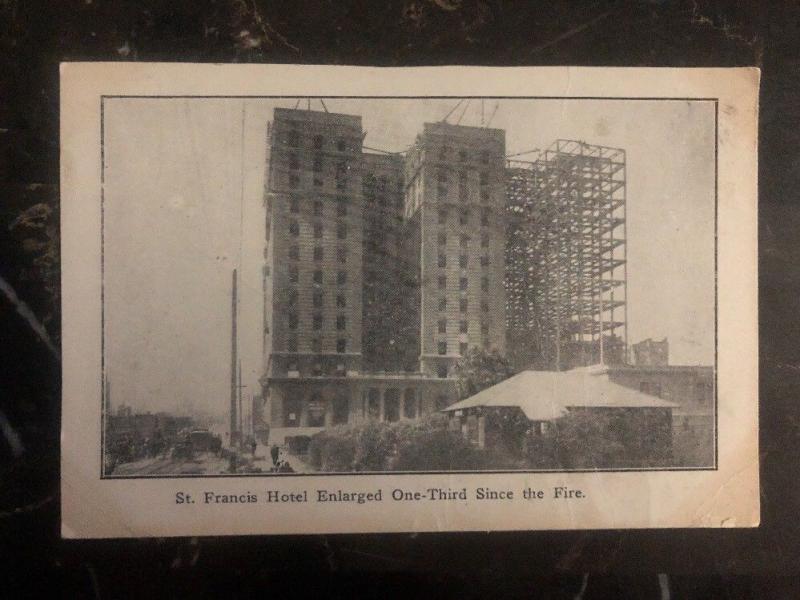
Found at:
(306, 299)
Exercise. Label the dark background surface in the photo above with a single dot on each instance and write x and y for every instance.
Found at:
(37, 34)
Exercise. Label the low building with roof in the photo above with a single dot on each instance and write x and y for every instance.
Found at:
(543, 397)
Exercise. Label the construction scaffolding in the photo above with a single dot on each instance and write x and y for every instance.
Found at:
(566, 253)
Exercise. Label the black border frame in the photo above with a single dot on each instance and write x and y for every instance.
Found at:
(103, 476)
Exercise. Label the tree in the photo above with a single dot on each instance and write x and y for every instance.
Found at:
(478, 370)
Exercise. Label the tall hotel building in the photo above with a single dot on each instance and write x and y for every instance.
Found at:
(383, 270)
(455, 205)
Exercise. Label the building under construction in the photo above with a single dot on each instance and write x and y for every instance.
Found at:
(565, 252)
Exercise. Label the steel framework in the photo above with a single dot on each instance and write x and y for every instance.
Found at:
(567, 267)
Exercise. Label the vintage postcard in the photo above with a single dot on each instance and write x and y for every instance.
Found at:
(307, 299)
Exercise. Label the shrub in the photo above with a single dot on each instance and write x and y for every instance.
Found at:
(423, 445)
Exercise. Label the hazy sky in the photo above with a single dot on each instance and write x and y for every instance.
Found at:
(184, 206)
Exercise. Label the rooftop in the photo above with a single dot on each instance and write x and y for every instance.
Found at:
(547, 395)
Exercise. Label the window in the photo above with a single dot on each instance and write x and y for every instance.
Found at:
(442, 176)
(291, 411)
(444, 152)
(462, 261)
(441, 371)
(484, 178)
(318, 277)
(294, 252)
(291, 344)
(462, 305)
(485, 240)
(341, 278)
(484, 306)
(318, 299)
(317, 322)
(484, 261)
(442, 303)
(341, 145)
(341, 254)
(441, 192)
(293, 321)
(341, 346)
(341, 206)
(294, 180)
(341, 231)
(317, 208)
(485, 284)
(463, 218)
(341, 322)
(462, 348)
(319, 141)
(316, 345)
(484, 329)
(462, 284)
(463, 156)
(341, 301)
(442, 260)
(391, 405)
(294, 228)
(442, 325)
(484, 157)
(294, 205)
(294, 162)
(442, 282)
(410, 403)
(463, 326)
(294, 276)
(317, 182)
(463, 178)
(442, 216)
(485, 216)
(317, 163)
(293, 138)
(340, 409)
(316, 408)
(463, 241)
(442, 238)
(292, 299)
(484, 196)
(442, 348)
(318, 230)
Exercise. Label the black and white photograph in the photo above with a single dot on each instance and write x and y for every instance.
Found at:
(296, 285)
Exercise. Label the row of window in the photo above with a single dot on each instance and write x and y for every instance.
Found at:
(464, 216)
(341, 229)
(446, 153)
(316, 346)
(342, 203)
(318, 142)
(317, 276)
(391, 404)
(317, 321)
(443, 177)
(318, 299)
(463, 283)
(463, 239)
(463, 346)
(341, 180)
(443, 192)
(463, 261)
(319, 253)
(463, 304)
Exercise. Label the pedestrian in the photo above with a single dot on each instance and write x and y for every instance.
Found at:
(253, 446)
(275, 452)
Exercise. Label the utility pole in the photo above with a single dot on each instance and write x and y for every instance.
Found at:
(234, 393)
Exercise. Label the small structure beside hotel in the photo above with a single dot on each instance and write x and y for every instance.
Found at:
(537, 399)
